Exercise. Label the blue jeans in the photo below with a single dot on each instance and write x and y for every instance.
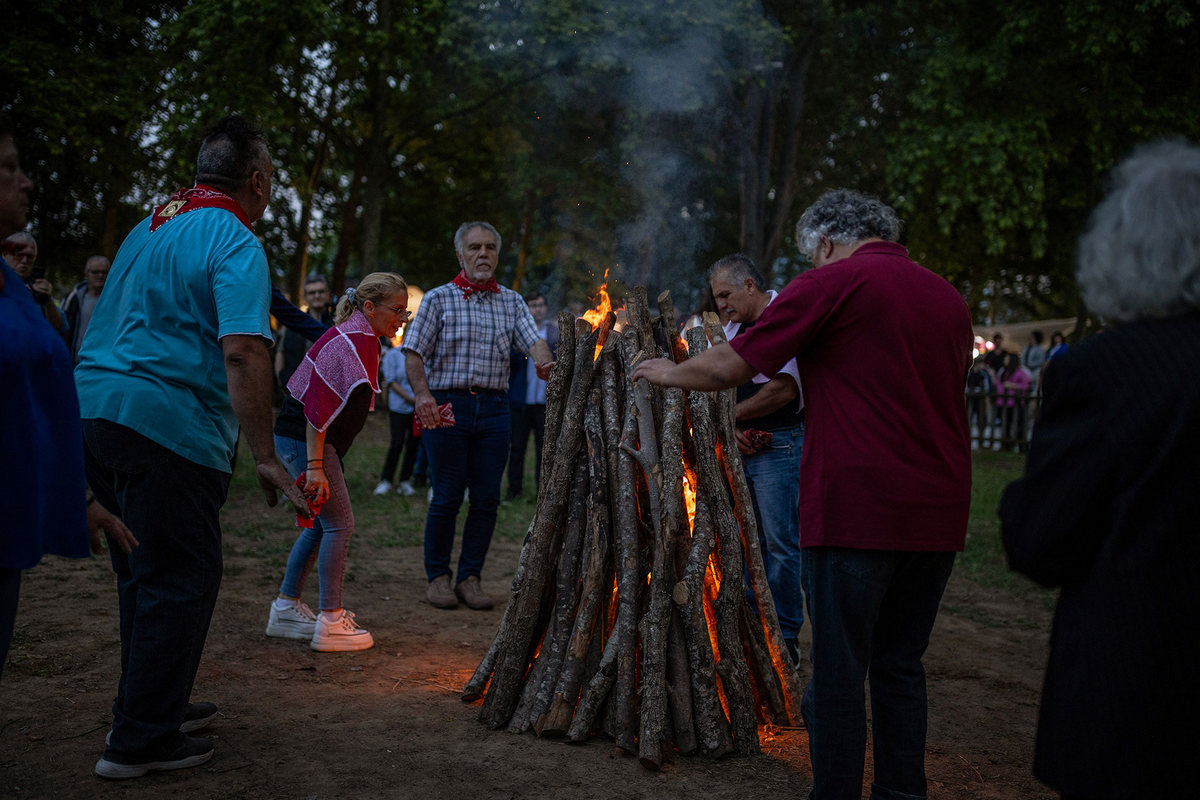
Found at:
(470, 454)
(871, 613)
(167, 587)
(328, 540)
(773, 475)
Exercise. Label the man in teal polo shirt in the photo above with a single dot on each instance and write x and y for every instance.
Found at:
(175, 357)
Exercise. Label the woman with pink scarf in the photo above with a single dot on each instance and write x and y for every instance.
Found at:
(325, 406)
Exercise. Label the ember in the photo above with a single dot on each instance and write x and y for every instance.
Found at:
(628, 614)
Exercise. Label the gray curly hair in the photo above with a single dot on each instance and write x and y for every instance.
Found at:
(1140, 256)
(846, 217)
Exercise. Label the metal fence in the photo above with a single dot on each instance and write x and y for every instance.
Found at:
(1001, 420)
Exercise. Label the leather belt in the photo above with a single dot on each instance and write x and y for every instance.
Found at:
(476, 390)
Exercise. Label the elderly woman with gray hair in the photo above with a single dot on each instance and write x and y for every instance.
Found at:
(1102, 511)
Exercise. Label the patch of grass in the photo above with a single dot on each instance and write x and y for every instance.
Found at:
(394, 521)
(251, 528)
(982, 559)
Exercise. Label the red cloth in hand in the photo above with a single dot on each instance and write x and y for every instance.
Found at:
(314, 507)
(445, 415)
(759, 439)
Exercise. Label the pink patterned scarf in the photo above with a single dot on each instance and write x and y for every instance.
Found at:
(345, 356)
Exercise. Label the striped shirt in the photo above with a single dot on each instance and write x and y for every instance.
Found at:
(465, 341)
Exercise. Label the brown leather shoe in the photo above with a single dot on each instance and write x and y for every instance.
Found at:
(438, 593)
(472, 595)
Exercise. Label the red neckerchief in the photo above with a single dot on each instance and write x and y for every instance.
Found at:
(199, 196)
(470, 287)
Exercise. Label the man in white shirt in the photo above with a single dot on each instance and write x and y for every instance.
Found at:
(770, 432)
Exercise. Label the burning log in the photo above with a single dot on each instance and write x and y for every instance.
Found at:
(628, 614)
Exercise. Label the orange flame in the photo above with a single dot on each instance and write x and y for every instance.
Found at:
(595, 316)
(689, 495)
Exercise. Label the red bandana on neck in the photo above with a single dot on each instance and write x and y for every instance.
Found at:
(199, 196)
(470, 287)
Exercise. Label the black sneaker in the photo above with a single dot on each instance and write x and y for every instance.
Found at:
(191, 752)
(195, 717)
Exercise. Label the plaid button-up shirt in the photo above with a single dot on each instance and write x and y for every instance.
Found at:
(465, 341)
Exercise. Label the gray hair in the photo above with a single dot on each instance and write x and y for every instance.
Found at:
(466, 226)
(736, 268)
(846, 217)
(1140, 256)
(23, 236)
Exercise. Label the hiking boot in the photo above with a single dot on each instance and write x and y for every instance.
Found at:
(472, 595)
(406, 488)
(343, 635)
(295, 622)
(382, 488)
(438, 593)
(195, 717)
(191, 752)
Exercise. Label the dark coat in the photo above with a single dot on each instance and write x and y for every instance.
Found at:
(517, 383)
(1106, 512)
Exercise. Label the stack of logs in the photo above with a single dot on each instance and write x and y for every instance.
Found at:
(626, 618)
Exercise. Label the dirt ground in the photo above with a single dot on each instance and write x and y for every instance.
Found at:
(388, 722)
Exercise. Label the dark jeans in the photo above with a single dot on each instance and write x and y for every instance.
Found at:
(401, 429)
(167, 587)
(10, 587)
(871, 613)
(420, 470)
(469, 454)
(524, 420)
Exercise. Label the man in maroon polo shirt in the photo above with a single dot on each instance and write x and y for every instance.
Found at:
(883, 347)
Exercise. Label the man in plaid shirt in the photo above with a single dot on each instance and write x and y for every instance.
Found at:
(457, 353)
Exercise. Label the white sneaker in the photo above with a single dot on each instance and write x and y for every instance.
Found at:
(340, 636)
(383, 487)
(406, 488)
(296, 622)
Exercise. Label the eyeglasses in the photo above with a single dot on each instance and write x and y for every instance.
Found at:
(402, 313)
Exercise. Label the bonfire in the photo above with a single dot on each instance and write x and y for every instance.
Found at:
(628, 615)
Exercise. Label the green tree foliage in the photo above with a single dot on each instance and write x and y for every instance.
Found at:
(77, 79)
(1014, 114)
(649, 138)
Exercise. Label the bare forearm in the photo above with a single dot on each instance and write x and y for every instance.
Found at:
(774, 395)
(414, 365)
(719, 367)
(248, 372)
(314, 443)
